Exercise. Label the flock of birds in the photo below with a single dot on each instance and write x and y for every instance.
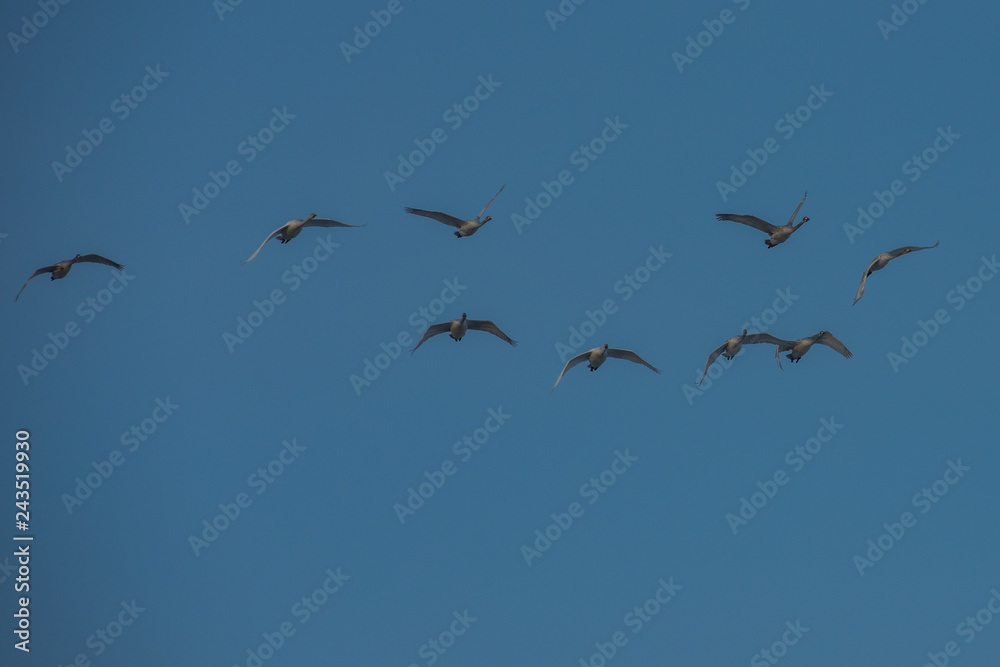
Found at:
(798, 348)
(456, 329)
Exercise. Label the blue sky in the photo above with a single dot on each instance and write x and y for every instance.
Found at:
(197, 500)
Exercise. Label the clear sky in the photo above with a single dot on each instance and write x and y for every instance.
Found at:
(244, 465)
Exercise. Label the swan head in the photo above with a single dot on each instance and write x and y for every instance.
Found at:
(311, 216)
(78, 256)
(485, 220)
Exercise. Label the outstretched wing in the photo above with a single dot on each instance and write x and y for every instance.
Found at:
(711, 359)
(44, 269)
(580, 358)
(782, 344)
(911, 248)
(490, 202)
(864, 279)
(792, 219)
(97, 259)
(629, 355)
(751, 220)
(433, 330)
(489, 327)
(828, 339)
(273, 234)
(327, 222)
(437, 215)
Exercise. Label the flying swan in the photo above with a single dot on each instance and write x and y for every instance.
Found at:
(60, 269)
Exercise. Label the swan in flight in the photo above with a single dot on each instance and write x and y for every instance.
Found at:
(778, 234)
(465, 227)
(457, 329)
(291, 229)
(801, 346)
(732, 346)
(598, 356)
(884, 258)
(60, 269)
